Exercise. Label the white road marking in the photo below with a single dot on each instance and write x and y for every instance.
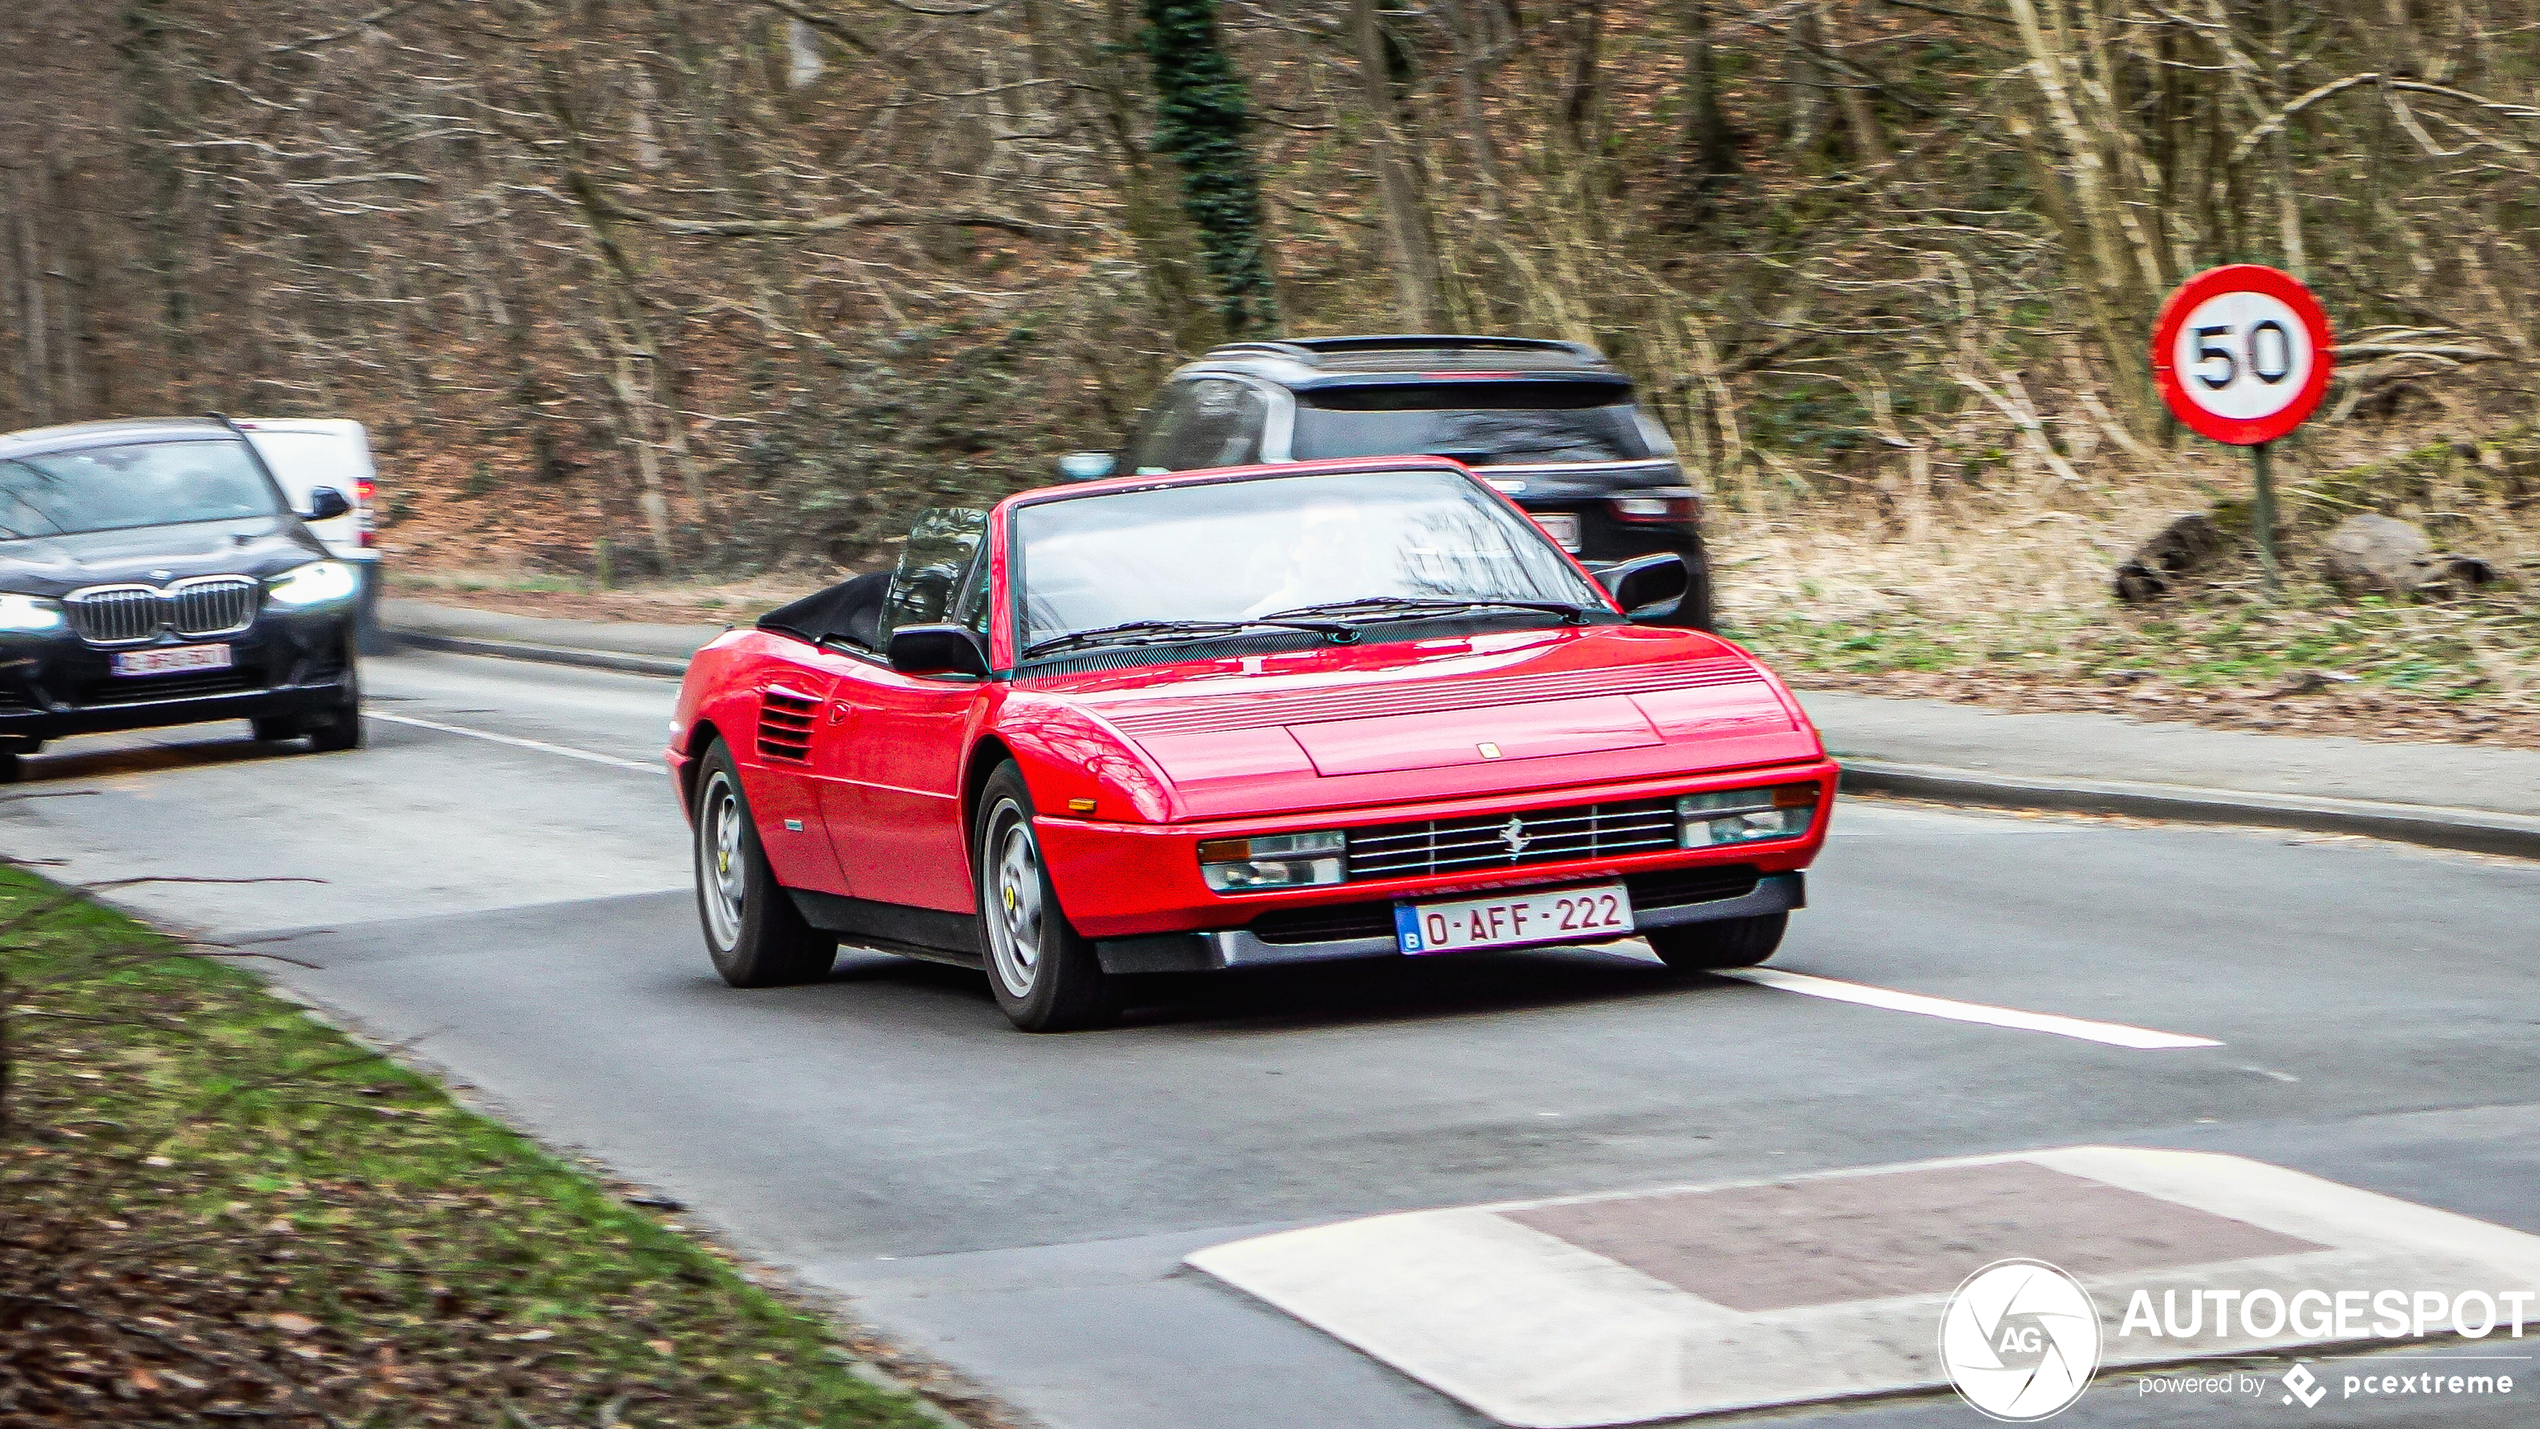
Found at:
(2115, 1034)
(518, 743)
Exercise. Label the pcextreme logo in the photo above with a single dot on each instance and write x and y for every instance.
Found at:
(2020, 1339)
(2303, 1385)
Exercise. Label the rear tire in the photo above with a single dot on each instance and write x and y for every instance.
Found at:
(1727, 943)
(1044, 973)
(754, 933)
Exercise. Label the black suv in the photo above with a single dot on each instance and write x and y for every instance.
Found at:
(1552, 424)
(152, 574)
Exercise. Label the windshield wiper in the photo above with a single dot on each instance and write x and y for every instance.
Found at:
(1404, 607)
(1143, 631)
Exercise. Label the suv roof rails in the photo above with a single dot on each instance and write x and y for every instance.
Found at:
(1313, 351)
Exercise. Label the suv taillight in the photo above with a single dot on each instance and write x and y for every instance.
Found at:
(362, 492)
(1658, 505)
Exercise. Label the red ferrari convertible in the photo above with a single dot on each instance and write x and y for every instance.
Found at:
(1222, 719)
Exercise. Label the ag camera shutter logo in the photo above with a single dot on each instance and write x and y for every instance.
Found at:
(2020, 1339)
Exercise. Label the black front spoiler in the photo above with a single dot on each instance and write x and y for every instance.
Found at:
(1240, 948)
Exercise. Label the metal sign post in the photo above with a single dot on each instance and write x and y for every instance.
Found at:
(2242, 355)
(2262, 514)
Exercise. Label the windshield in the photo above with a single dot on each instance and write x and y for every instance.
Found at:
(1240, 550)
(144, 484)
(1477, 423)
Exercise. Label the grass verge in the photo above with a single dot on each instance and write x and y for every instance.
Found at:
(214, 1209)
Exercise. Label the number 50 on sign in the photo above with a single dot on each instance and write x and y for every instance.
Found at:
(2241, 353)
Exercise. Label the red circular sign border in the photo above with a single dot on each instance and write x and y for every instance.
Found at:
(2242, 278)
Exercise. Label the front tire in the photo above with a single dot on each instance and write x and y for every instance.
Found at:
(1044, 973)
(1726, 943)
(754, 933)
(341, 727)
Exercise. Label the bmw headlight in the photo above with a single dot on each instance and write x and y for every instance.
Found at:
(313, 584)
(1273, 861)
(1738, 816)
(30, 612)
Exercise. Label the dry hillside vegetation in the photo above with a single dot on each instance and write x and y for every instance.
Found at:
(710, 290)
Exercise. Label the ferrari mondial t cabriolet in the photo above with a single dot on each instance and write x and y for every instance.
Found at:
(1224, 719)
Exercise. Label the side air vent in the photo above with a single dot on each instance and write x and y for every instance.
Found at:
(784, 726)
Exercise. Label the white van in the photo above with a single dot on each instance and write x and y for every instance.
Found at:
(306, 453)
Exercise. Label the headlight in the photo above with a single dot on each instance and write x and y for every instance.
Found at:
(314, 584)
(1738, 816)
(1272, 861)
(30, 612)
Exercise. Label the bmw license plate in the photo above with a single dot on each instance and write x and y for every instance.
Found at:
(172, 659)
(1567, 915)
(1561, 526)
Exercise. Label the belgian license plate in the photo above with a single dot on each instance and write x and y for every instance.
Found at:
(1568, 915)
(1561, 526)
(171, 660)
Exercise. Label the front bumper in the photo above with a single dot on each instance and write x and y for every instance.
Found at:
(1125, 881)
(1220, 950)
(286, 664)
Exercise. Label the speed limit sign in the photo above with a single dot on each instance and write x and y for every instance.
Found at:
(2241, 353)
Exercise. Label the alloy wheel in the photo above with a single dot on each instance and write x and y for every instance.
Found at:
(1014, 901)
(719, 854)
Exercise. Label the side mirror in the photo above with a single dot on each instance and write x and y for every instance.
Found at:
(1087, 466)
(936, 650)
(325, 504)
(1648, 588)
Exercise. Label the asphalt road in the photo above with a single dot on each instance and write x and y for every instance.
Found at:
(1017, 1206)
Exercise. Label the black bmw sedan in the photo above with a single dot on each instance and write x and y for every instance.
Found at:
(151, 574)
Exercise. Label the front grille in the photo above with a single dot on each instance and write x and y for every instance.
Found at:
(116, 615)
(1661, 888)
(1505, 841)
(1676, 887)
(130, 614)
(1331, 923)
(219, 606)
(784, 726)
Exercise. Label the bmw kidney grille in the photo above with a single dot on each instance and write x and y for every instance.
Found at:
(196, 607)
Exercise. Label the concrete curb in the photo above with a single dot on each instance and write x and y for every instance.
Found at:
(545, 654)
(2472, 830)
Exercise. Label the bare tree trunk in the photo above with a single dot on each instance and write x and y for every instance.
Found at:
(2288, 201)
(1706, 159)
(1803, 77)
(1415, 263)
(1869, 137)
(36, 333)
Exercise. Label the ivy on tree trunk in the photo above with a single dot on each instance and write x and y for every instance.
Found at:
(1201, 111)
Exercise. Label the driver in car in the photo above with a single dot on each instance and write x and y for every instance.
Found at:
(1327, 559)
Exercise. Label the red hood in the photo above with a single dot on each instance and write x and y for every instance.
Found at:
(1357, 725)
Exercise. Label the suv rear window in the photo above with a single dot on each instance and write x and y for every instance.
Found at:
(1477, 423)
